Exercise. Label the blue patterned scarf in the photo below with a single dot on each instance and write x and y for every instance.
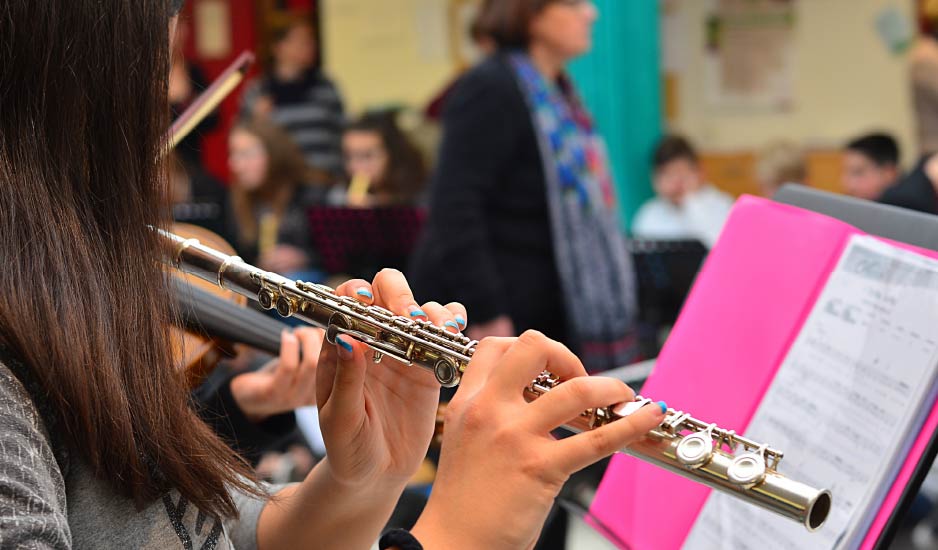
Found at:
(595, 269)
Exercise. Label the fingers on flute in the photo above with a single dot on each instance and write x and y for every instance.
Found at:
(325, 374)
(359, 289)
(459, 314)
(350, 372)
(392, 292)
(579, 451)
(531, 354)
(441, 317)
(571, 398)
(486, 358)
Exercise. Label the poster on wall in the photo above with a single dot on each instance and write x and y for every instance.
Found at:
(749, 64)
(212, 20)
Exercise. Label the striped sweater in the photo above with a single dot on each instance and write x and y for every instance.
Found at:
(310, 109)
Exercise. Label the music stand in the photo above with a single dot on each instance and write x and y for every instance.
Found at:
(897, 224)
(360, 241)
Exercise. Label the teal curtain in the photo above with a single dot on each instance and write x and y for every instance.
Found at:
(620, 81)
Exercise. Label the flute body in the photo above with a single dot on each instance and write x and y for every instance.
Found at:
(682, 444)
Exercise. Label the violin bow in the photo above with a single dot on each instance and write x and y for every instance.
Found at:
(210, 99)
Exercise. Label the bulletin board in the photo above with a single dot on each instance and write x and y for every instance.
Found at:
(750, 54)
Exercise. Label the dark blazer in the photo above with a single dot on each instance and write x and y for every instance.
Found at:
(488, 242)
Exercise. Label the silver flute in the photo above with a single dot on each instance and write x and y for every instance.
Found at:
(697, 450)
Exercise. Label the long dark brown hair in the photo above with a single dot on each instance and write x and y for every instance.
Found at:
(286, 170)
(83, 303)
(406, 172)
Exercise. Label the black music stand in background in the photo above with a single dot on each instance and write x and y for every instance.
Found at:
(665, 271)
(897, 224)
(359, 242)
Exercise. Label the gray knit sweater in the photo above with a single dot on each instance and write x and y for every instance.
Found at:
(49, 500)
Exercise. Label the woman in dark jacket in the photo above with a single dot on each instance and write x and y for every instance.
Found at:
(523, 224)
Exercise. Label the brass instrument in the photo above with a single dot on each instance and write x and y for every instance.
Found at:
(699, 451)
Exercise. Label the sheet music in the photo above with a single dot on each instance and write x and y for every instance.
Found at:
(846, 402)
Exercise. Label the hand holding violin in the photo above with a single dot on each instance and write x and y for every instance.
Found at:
(285, 383)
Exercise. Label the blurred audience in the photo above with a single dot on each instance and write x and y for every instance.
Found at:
(686, 207)
(780, 163)
(385, 167)
(871, 165)
(271, 189)
(523, 226)
(298, 96)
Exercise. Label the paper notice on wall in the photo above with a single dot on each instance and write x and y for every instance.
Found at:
(750, 54)
(212, 29)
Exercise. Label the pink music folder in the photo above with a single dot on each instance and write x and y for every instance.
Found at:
(748, 304)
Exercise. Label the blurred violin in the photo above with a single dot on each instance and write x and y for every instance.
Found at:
(214, 320)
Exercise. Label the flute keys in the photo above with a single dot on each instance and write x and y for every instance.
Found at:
(748, 468)
(446, 373)
(696, 449)
(265, 298)
(286, 307)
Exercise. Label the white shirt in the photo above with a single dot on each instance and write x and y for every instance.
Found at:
(700, 217)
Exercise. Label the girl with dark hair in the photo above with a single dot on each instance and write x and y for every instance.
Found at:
(98, 444)
(377, 152)
(523, 225)
(271, 188)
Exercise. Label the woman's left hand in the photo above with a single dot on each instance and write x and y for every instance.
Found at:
(285, 383)
(377, 419)
(284, 258)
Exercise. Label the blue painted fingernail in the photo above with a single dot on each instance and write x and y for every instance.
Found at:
(417, 313)
(664, 407)
(451, 324)
(461, 321)
(365, 292)
(345, 345)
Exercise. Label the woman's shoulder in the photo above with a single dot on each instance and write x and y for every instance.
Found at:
(29, 471)
(16, 402)
(24, 422)
(42, 506)
(487, 93)
(492, 76)
(494, 67)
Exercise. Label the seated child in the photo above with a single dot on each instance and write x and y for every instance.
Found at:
(686, 207)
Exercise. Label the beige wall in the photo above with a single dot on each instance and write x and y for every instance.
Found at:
(846, 82)
(388, 51)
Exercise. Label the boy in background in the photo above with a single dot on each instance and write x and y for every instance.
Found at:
(871, 165)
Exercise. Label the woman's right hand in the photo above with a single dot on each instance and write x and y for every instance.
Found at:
(500, 468)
